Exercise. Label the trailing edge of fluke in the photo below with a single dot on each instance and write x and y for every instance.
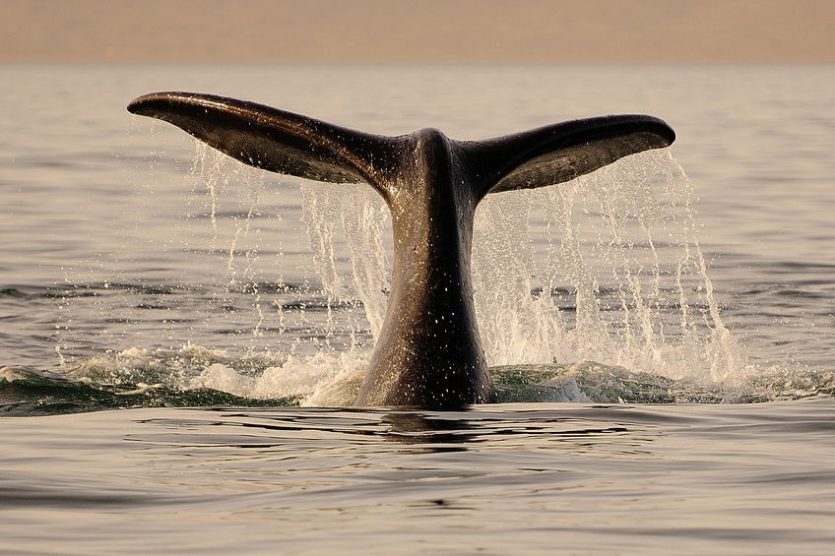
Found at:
(429, 353)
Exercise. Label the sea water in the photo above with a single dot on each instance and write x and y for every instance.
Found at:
(140, 270)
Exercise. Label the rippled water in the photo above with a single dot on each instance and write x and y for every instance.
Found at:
(138, 271)
(734, 479)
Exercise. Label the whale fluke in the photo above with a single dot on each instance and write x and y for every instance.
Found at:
(272, 139)
(561, 152)
(429, 352)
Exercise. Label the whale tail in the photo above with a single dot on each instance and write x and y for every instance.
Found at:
(273, 139)
(297, 145)
(428, 353)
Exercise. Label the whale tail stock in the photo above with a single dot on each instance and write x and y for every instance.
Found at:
(297, 145)
(429, 352)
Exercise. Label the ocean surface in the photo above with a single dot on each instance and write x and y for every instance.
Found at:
(182, 337)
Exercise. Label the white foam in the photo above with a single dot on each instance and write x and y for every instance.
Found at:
(220, 377)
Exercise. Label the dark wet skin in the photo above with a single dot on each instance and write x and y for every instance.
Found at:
(429, 352)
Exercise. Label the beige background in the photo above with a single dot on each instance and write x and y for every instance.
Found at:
(418, 31)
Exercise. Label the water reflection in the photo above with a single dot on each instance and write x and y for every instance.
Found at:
(419, 428)
(608, 429)
(442, 433)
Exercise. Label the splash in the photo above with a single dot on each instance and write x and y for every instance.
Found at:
(606, 268)
(365, 222)
(213, 171)
(595, 290)
(198, 376)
